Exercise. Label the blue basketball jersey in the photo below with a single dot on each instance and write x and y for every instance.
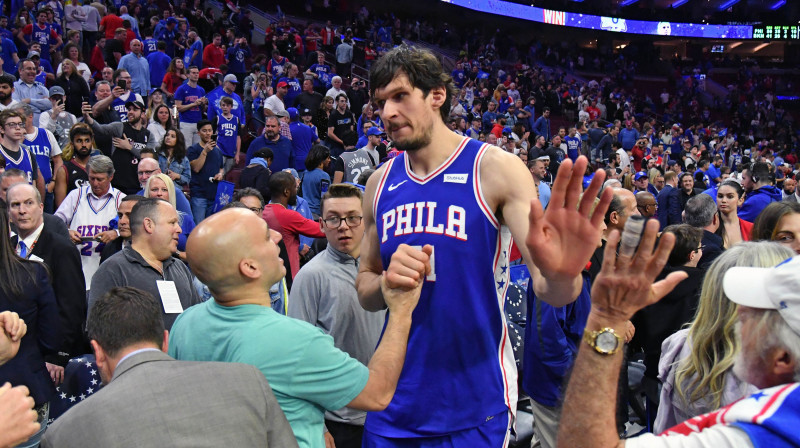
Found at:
(23, 162)
(459, 369)
(42, 36)
(42, 148)
(119, 106)
(227, 131)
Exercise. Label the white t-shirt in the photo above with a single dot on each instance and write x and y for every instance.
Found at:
(275, 104)
(83, 70)
(624, 158)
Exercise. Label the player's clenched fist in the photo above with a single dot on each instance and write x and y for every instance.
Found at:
(401, 301)
(408, 267)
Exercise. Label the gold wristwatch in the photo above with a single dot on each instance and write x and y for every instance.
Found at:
(606, 341)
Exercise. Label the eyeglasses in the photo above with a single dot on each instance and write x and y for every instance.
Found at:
(335, 221)
(15, 125)
(146, 173)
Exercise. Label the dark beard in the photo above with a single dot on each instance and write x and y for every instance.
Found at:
(292, 201)
(80, 154)
(414, 144)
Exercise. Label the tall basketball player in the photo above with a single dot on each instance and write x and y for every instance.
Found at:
(443, 213)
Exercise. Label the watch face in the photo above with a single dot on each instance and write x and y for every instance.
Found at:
(606, 341)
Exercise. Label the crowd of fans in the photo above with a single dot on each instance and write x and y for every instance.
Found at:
(124, 234)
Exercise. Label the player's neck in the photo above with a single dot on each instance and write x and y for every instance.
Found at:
(228, 115)
(426, 159)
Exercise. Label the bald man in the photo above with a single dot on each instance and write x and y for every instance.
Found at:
(307, 373)
(646, 204)
(623, 206)
(136, 65)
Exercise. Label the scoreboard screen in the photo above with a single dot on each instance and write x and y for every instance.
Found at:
(777, 32)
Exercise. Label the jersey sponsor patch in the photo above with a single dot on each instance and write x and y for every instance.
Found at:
(456, 178)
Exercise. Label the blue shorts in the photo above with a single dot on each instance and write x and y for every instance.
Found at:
(494, 433)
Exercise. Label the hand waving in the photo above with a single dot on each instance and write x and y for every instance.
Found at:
(625, 284)
(562, 238)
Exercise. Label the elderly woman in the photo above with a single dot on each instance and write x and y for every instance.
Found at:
(161, 186)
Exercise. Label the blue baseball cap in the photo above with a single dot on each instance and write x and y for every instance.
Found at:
(373, 131)
(640, 175)
(293, 114)
(172, 20)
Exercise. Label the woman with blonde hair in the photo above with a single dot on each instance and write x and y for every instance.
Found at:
(73, 53)
(161, 186)
(696, 365)
(75, 87)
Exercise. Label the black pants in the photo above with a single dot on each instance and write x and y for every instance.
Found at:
(345, 436)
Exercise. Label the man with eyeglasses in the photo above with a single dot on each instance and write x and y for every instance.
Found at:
(17, 155)
(289, 223)
(148, 168)
(324, 295)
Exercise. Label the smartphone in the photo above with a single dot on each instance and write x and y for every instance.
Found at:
(122, 84)
(86, 239)
(85, 99)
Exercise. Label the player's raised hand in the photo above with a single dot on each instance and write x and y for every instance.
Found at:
(408, 267)
(562, 239)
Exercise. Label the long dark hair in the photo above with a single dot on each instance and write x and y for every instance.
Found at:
(14, 269)
(179, 150)
(169, 125)
(737, 187)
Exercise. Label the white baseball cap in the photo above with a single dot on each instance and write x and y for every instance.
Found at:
(776, 288)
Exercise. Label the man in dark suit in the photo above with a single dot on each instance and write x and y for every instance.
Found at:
(701, 212)
(37, 240)
(662, 201)
(14, 176)
(150, 399)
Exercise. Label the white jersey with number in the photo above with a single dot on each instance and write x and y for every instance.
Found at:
(92, 216)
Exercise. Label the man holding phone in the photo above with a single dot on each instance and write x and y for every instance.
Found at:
(206, 161)
(128, 138)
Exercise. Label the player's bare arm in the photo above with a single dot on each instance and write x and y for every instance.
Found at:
(557, 243)
(406, 268)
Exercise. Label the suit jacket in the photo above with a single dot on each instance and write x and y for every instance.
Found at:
(55, 223)
(154, 400)
(66, 276)
(712, 248)
(37, 306)
(663, 202)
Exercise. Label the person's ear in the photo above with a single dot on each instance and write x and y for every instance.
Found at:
(783, 364)
(438, 96)
(249, 268)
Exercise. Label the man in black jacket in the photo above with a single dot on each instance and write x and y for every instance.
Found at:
(38, 241)
(701, 212)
